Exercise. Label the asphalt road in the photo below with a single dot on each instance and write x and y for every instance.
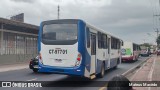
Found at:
(28, 75)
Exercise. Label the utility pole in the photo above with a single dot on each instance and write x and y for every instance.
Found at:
(58, 11)
(157, 31)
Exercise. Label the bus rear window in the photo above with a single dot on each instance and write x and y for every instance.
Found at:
(60, 34)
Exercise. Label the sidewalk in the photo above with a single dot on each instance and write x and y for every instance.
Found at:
(156, 73)
(11, 67)
(150, 71)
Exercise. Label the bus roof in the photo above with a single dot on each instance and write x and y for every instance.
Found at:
(76, 20)
(102, 30)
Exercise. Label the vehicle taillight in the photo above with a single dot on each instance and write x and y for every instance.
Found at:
(40, 58)
(79, 57)
(30, 62)
(78, 61)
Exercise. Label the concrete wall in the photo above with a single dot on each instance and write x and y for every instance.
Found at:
(13, 59)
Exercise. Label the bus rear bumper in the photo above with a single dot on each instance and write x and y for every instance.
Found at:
(78, 71)
(127, 58)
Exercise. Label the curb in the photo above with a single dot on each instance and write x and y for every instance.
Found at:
(128, 72)
(134, 68)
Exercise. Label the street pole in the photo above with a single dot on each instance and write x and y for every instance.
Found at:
(157, 31)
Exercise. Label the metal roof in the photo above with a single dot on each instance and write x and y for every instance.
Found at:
(17, 23)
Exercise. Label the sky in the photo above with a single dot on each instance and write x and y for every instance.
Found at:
(130, 20)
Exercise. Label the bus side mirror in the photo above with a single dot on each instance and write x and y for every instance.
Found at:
(122, 43)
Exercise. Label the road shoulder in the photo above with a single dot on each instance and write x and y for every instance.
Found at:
(4, 68)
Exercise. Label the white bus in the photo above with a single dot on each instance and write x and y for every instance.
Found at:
(73, 47)
(130, 51)
(145, 51)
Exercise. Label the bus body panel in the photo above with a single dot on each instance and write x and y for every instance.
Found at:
(129, 51)
(115, 57)
(63, 63)
(79, 71)
(145, 51)
(61, 55)
(51, 63)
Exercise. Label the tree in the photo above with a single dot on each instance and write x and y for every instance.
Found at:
(146, 45)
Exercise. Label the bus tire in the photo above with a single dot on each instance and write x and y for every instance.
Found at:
(101, 74)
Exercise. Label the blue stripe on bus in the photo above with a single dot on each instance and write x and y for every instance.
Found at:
(39, 38)
(82, 46)
(62, 70)
(81, 41)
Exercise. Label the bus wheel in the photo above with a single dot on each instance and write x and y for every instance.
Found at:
(101, 75)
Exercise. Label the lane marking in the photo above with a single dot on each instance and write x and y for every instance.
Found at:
(32, 79)
(104, 87)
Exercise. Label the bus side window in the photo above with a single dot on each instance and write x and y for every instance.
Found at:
(112, 43)
(99, 40)
(118, 44)
(105, 42)
(88, 37)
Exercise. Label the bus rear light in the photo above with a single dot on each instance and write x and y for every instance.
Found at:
(79, 57)
(30, 62)
(40, 58)
(78, 62)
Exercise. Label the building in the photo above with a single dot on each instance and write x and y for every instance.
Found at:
(18, 41)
